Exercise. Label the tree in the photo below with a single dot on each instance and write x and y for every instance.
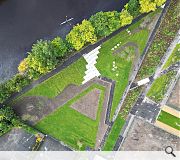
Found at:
(41, 59)
(125, 17)
(133, 7)
(59, 48)
(8, 119)
(159, 2)
(13, 85)
(81, 34)
(147, 6)
(105, 22)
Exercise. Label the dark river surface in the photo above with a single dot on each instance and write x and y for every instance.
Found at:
(22, 22)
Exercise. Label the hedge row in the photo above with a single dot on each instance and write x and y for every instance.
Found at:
(164, 36)
(45, 55)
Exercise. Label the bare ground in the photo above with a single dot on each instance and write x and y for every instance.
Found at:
(88, 104)
(143, 136)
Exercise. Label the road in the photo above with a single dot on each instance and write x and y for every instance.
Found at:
(22, 22)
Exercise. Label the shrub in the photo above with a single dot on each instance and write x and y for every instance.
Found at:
(59, 48)
(41, 59)
(133, 8)
(81, 34)
(23, 66)
(105, 22)
(163, 38)
(8, 119)
(125, 17)
(12, 86)
(147, 6)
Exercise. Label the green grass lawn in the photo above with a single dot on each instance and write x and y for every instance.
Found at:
(160, 86)
(70, 126)
(53, 86)
(174, 57)
(114, 134)
(124, 66)
(169, 119)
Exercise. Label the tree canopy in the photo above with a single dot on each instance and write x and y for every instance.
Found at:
(125, 17)
(147, 6)
(105, 22)
(81, 34)
(133, 7)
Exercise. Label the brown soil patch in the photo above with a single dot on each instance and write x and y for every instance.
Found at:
(143, 136)
(88, 104)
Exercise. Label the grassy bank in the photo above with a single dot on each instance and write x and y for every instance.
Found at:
(72, 127)
(114, 134)
(169, 119)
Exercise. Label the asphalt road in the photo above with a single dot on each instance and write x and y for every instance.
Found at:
(22, 22)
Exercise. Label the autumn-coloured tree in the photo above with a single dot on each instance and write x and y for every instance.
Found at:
(125, 17)
(81, 34)
(147, 6)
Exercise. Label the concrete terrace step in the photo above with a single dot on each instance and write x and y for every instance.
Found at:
(92, 58)
(86, 56)
(95, 51)
(91, 71)
(91, 74)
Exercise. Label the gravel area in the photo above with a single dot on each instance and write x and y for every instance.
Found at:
(143, 136)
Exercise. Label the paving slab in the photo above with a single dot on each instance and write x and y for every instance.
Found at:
(17, 140)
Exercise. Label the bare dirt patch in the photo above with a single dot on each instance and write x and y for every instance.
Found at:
(88, 104)
(143, 136)
(32, 109)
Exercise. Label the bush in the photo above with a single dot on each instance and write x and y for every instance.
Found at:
(105, 22)
(59, 48)
(125, 17)
(44, 56)
(133, 8)
(8, 119)
(41, 59)
(23, 66)
(81, 34)
(12, 86)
